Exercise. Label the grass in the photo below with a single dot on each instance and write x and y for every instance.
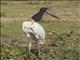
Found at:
(63, 44)
(13, 37)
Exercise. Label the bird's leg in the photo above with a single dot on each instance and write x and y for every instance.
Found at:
(39, 53)
(29, 48)
(38, 50)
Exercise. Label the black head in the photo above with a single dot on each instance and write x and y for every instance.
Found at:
(43, 9)
(37, 17)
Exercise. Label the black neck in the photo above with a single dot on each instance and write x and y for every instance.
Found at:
(37, 17)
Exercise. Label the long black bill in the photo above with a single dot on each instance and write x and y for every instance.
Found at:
(48, 12)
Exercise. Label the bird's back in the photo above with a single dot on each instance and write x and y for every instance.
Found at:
(33, 27)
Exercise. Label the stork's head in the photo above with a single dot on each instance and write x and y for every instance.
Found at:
(46, 10)
(37, 17)
(43, 9)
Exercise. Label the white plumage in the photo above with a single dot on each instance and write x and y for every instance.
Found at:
(34, 28)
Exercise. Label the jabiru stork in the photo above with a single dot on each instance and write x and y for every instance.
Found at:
(32, 27)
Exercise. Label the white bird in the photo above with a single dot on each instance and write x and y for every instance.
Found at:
(31, 27)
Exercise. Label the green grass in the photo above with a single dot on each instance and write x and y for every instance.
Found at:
(62, 45)
(13, 36)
